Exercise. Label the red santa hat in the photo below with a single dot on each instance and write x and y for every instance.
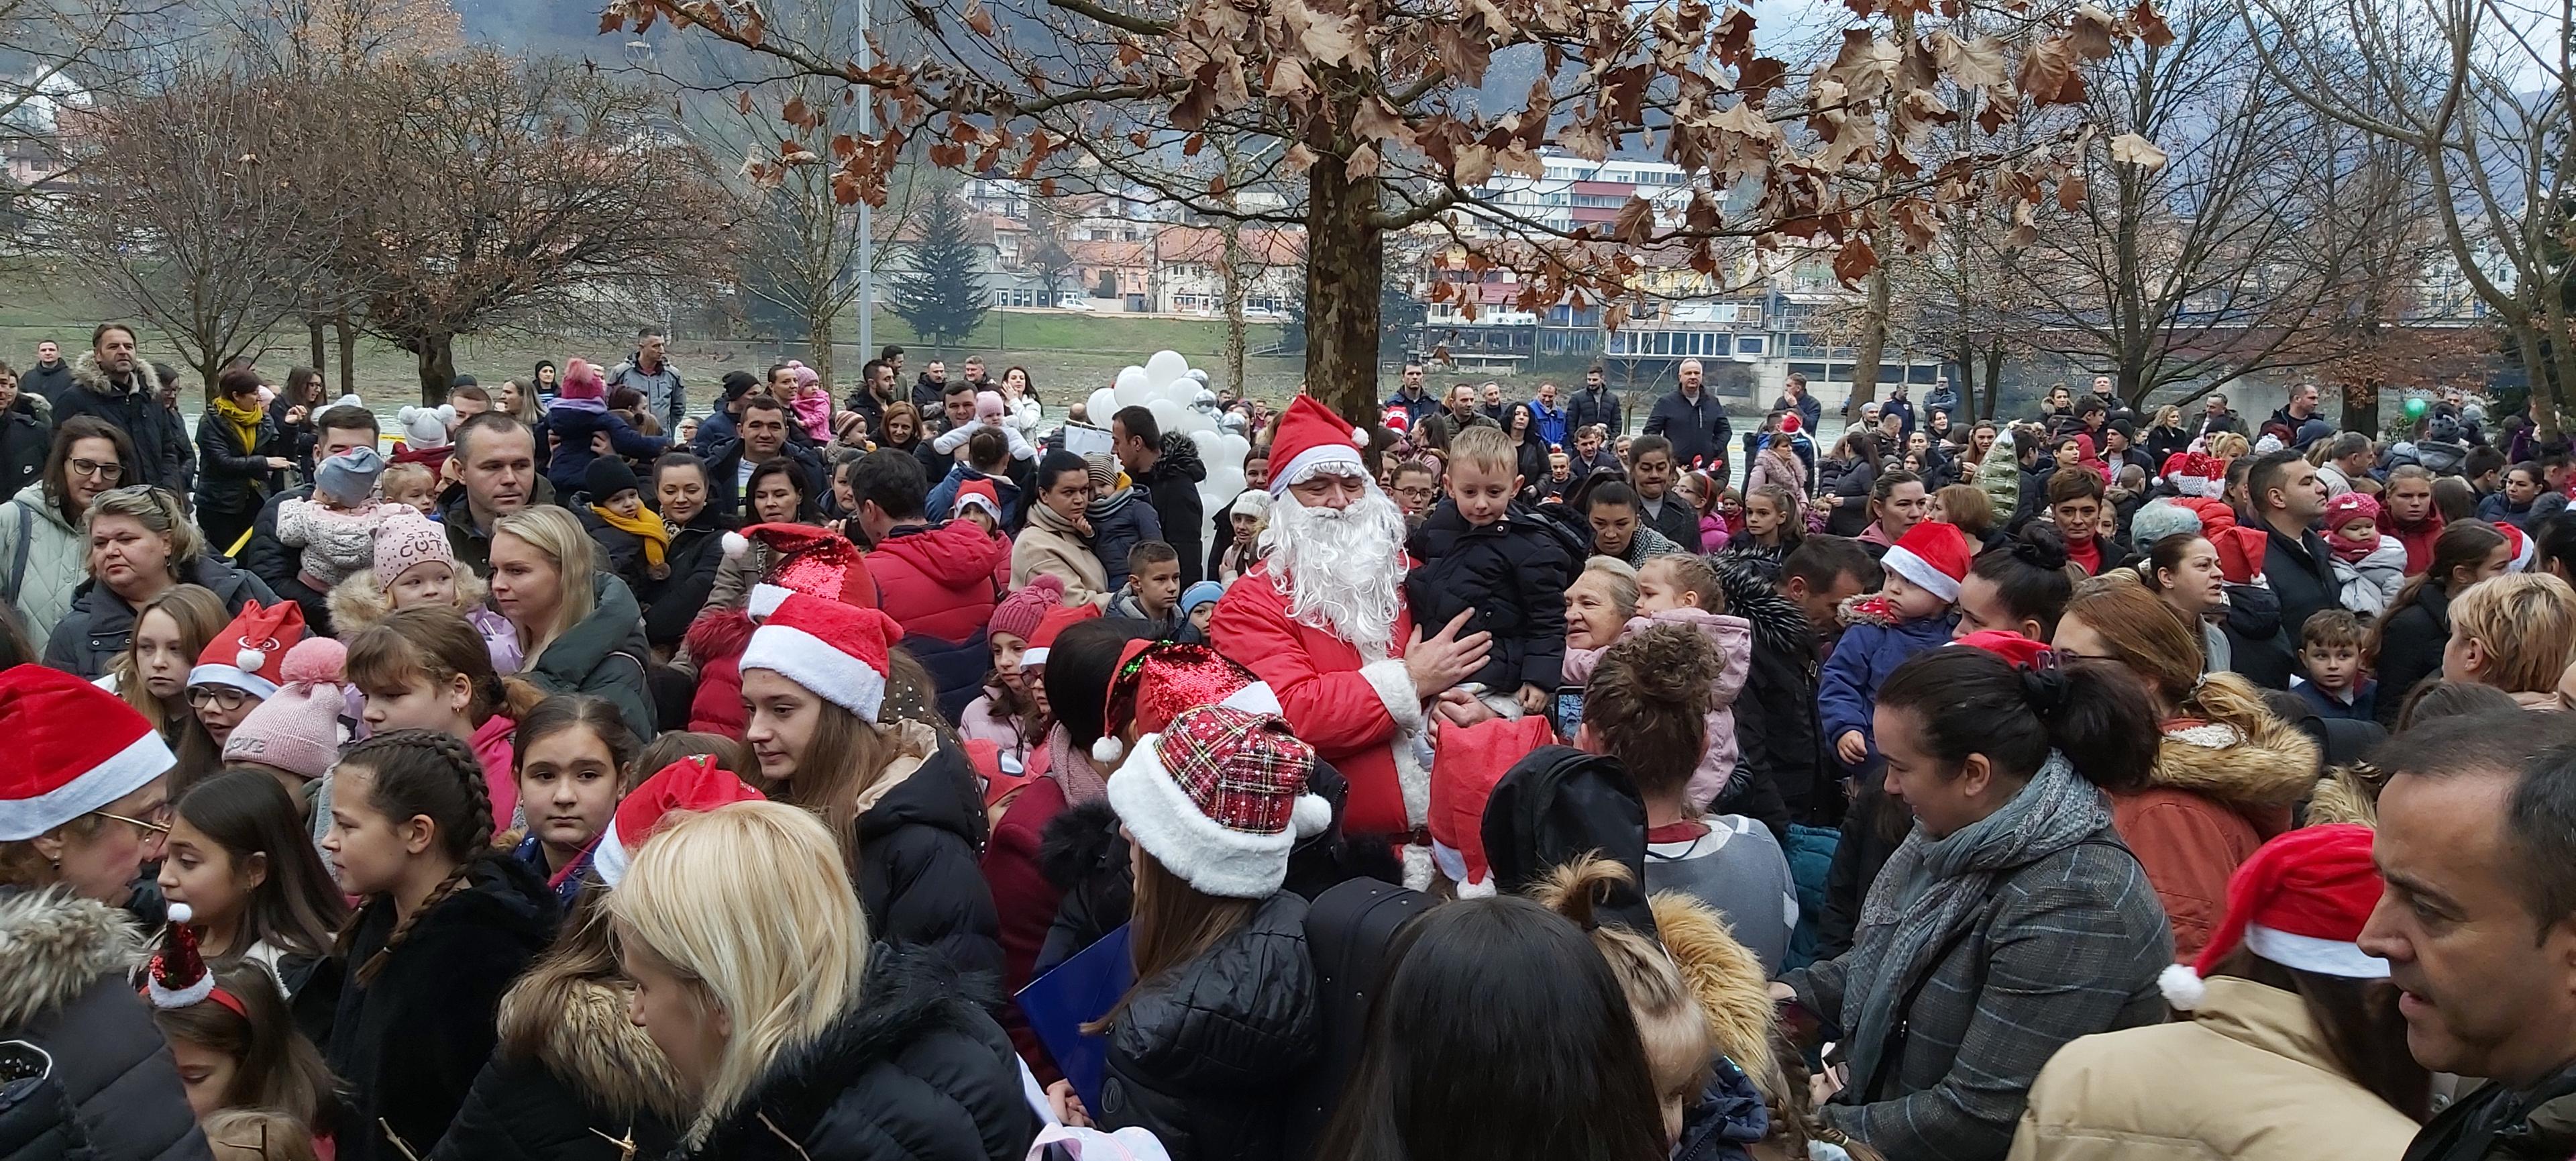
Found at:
(1219, 797)
(2196, 474)
(1156, 680)
(817, 562)
(250, 654)
(176, 976)
(2520, 544)
(1790, 423)
(1933, 556)
(1472, 761)
(837, 651)
(2300, 901)
(1395, 419)
(693, 784)
(1053, 625)
(77, 748)
(978, 494)
(1311, 440)
(2020, 651)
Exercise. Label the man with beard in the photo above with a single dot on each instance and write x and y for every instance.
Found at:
(1321, 618)
(114, 385)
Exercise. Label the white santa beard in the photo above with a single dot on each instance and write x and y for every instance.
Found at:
(1341, 571)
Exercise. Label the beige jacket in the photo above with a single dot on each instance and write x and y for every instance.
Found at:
(1042, 549)
(2246, 1078)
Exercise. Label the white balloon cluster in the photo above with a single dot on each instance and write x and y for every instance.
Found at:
(1180, 401)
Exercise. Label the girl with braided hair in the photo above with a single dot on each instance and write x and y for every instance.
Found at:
(447, 922)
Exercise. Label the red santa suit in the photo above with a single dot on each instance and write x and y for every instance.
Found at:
(1360, 713)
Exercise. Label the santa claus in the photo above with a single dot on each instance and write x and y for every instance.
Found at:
(1321, 619)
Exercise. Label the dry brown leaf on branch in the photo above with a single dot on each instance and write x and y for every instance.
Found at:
(2151, 24)
(978, 18)
(2048, 75)
(1288, 79)
(2091, 30)
(1636, 222)
(1975, 63)
(2070, 192)
(1361, 163)
(2131, 149)
(1855, 260)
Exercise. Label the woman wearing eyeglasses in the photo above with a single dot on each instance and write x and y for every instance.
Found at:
(43, 555)
(139, 544)
(81, 808)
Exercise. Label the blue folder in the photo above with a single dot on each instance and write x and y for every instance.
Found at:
(1080, 990)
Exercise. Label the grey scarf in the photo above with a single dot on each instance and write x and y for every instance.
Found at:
(1933, 888)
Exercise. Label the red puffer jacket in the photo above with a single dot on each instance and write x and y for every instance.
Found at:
(938, 581)
(716, 641)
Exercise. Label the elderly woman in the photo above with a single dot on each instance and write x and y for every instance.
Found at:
(140, 544)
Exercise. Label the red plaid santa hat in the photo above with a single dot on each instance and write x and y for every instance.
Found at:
(250, 654)
(1218, 798)
(815, 561)
(1933, 556)
(694, 784)
(76, 748)
(2300, 901)
(837, 651)
(1312, 440)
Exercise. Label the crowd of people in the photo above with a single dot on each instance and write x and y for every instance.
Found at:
(570, 774)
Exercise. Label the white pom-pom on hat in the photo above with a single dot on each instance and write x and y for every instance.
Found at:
(1359, 437)
(181, 913)
(1311, 816)
(736, 544)
(2183, 987)
(1108, 749)
(250, 660)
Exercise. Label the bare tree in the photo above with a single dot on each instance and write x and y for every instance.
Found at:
(2478, 94)
(2207, 238)
(191, 211)
(524, 189)
(57, 58)
(1388, 114)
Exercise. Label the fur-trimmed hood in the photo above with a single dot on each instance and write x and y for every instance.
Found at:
(56, 946)
(87, 375)
(2348, 794)
(1867, 609)
(579, 1027)
(2251, 760)
(359, 602)
(1726, 978)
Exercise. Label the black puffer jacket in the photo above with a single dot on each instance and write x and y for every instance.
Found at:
(674, 601)
(410, 1042)
(1510, 575)
(1206, 1055)
(919, 880)
(1173, 486)
(1776, 732)
(233, 480)
(915, 1071)
(111, 1092)
(100, 624)
(2410, 648)
(592, 1080)
(25, 439)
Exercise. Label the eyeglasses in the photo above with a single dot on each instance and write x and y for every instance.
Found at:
(158, 826)
(95, 470)
(222, 696)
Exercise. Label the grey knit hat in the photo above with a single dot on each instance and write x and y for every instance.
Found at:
(350, 477)
(2158, 519)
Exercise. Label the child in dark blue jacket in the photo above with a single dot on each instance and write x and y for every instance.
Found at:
(1910, 613)
(1506, 565)
(580, 413)
(2334, 685)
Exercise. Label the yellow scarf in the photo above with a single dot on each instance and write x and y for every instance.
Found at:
(245, 421)
(645, 526)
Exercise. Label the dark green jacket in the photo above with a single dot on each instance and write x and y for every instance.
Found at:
(604, 655)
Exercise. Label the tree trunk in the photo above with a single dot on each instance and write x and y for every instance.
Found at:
(1966, 353)
(1345, 265)
(437, 367)
(1234, 292)
(1873, 344)
(2361, 407)
(348, 335)
(818, 336)
(313, 327)
(1994, 375)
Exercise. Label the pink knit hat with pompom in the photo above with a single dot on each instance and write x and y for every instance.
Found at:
(298, 729)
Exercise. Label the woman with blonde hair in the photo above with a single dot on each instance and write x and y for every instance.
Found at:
(822, 691)
(2515, 632)
(788, 1039)
(2226, 771)
(578, 626)
(140, 543)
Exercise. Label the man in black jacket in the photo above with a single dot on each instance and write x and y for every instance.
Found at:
(1167, 467)
(338, 429)
(1775, 719)
(51, 376)
(927, 391)
(1596, 403)
(1651, 470)
(764, 438)
(1695, 422)
(114, 385)
(2287, 501)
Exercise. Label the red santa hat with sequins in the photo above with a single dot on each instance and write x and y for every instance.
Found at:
(1312, 440)
(694, 783)
(815, 561)
(1156, 680)
(2300, 901)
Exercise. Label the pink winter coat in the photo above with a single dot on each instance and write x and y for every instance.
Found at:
(980, 722)
(1733, 637)
(814, 410)
(491, 745)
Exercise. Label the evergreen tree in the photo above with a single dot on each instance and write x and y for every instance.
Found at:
(943, 295)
